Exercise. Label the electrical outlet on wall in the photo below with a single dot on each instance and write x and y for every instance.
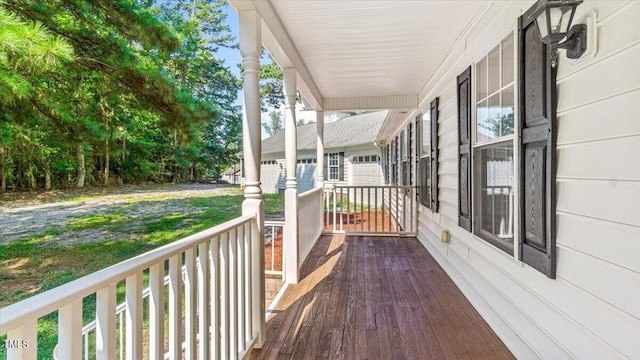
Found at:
(446, 236)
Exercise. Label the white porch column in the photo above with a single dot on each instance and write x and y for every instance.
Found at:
(320, 150)
(251, 49)
(290, 246)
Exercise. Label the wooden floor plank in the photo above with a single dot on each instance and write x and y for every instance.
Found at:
(376, 298)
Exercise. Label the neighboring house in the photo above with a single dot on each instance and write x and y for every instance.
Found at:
(351, 156)
(232, 175)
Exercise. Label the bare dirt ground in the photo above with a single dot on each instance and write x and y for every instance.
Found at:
(25, 215)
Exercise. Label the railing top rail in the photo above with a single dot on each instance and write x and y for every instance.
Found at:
(273, 222)
(35, 307)
(309, 192)
(371, 186)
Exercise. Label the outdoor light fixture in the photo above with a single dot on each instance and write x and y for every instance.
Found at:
(553, 18)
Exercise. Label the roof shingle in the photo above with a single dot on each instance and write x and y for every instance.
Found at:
(348, 131)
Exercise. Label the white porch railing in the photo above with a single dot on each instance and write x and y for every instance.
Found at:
(309, 221)
(274, 232)
(371, 210)
(214, 308)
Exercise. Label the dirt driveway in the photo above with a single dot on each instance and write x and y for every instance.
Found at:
(50, 217)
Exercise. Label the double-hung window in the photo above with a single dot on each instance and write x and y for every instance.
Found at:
(493, 149)
(334, 166)
(425, 160)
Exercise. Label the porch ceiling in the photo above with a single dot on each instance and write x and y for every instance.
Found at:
(352, 53)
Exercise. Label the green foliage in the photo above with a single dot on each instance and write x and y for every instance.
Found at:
(500, 125)
(124, 92)
(275, 125)
(271, 91)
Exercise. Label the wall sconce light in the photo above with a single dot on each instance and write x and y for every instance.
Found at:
(553, 18)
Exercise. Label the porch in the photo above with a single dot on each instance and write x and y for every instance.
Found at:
(362, 297)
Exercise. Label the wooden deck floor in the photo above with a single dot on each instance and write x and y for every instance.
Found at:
(376, 298)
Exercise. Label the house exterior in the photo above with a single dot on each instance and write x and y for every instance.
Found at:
(351, 156)
(525, 170)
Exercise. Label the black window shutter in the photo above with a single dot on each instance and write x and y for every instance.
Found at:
(425, 196)
(325, 168)
(410, 153)
(341, 166)
(434, 154)
(417, 153)
(464, 149)
(537, 148)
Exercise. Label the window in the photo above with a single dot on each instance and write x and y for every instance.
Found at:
(427, 152)
(306, 161)
(334, 168)
(366, 159)
(493, 157)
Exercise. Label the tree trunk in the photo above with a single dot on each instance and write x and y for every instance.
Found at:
(47, 175)
(106, 162)
(3, 178)
(82, 170)
(175, 157)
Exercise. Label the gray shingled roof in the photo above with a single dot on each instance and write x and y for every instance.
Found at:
(348, 131)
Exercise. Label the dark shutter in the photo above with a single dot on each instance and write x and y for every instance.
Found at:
(537, 148)
(410, 153)
(464, 149)
(425, 196)
(325, 168)
(341, 166)
(434, 154)
(417, 152)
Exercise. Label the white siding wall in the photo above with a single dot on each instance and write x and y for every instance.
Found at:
(269, 175)
(273, 176)
(592, 309)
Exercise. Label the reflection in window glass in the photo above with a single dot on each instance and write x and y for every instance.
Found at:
(494, 110)
(481, 71)
(495, 215)
(494, 70)
(507, 61)
(426, 134)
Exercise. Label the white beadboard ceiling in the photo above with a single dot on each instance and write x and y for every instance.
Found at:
(363, 48)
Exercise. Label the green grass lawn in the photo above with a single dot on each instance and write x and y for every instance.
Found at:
(35, 265)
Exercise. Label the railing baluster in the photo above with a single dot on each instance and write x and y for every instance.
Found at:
(175, 307)
(248, 281)
(361, 208)
(368, 209)
(85, 340)
(348, 211)
(121, 336)
(156, 312)
(214, 257)
(342, 209)
(204, 318)
(233, 293)
(273, 248)
(258, 327)
(375, 195)
(134, 316)
(70, 331)
(190, 304)
(225, 311)
(106, 323)
(27, 332)
(240, 277)
(335, 198)
(390, 211)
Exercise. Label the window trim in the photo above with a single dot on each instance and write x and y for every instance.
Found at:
(330, 157)
(477, 147)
